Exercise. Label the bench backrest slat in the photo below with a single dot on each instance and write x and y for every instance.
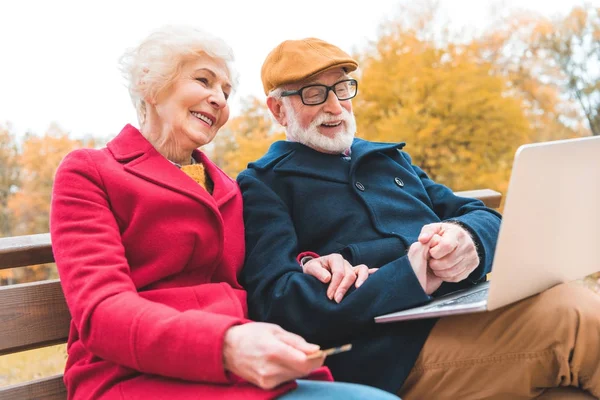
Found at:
(51, 388)
(32, 315)
(20, 251)
(490, 198)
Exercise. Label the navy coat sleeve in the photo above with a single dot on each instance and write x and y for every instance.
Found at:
(482, 222)
(279, 292)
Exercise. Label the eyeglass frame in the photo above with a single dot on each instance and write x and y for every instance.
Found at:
(298, 92)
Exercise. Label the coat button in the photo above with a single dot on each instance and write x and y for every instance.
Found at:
(399, 182)
(360, 186)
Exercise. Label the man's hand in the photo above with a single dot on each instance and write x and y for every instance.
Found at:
(340, 274)
(267, 355)
(418, 256)
(453, 255)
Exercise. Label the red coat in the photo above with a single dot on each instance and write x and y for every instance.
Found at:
(149, 265)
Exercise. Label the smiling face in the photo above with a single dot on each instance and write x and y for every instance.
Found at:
(329, 127)
(189, 113)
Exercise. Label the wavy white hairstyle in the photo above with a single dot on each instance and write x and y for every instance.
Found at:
(156, 62)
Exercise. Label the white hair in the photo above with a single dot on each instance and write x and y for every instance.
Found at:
(276, 93)
(156, 62)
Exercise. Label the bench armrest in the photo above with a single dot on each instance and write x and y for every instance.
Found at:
(490, 198)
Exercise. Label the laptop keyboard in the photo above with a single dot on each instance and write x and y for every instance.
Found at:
(466, 299)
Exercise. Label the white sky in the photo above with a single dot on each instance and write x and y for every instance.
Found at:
(58, 58)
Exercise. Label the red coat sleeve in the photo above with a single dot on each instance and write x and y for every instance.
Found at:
(113, 321)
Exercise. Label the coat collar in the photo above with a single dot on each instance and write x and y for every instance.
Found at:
(297, 159)
(139, 157)
(362, 148)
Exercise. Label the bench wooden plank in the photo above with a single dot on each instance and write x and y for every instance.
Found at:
(51, 388)
(490, 198)
(32, 315)
(20, 251)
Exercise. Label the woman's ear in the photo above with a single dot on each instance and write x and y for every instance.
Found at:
(150, 100)
(277, 109)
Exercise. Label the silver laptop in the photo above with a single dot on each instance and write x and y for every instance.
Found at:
(550, 230)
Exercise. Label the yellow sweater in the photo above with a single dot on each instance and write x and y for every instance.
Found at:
(198, 173)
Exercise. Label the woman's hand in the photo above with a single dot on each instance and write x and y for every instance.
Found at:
(418, 256)
(267, 355)
(340, 274)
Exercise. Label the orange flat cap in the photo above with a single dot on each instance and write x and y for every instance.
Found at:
(296, 60)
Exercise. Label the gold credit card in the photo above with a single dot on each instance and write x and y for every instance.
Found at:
(330, 352)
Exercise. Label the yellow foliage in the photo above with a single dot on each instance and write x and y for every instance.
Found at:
(9, 178)
(245, 138)
(27, 205)
(32, 364)
(38, 160)
(553, 64)
(458, 120)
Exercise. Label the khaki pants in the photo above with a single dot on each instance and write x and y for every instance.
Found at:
(516, 352)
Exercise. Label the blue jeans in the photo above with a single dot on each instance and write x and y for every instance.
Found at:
(335, 391)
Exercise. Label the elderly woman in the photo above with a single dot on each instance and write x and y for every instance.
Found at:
(148, 239)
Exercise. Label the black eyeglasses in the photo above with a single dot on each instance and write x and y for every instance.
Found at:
(313, 95)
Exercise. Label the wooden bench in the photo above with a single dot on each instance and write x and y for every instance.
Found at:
(35, 315)
(32, 315)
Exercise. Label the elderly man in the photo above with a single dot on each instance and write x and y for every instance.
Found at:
(360, 205)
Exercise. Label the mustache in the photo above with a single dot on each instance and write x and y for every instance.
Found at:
(324, 118)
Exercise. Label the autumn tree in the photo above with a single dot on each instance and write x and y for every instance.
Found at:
(9, 177)
(459, 123)
(39, 159)
(30, 203)
(9, 181)
(246, 137)
(542, 60)
(571, 45)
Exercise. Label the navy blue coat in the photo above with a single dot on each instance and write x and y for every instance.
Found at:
(369, 208)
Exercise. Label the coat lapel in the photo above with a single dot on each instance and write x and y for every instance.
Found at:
(225, 188)
(141, 159)
(296, 159)
(362, 148)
